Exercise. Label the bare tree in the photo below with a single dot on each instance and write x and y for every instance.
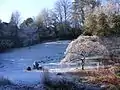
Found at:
(15, 18)
(81, 60)
(113, 6)
(54, 22)
(82, 7)
(63, 10)
(44, 18)
(59, 10)
(39, 21)
(66, 5)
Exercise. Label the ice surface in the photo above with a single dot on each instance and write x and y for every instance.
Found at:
(14, 62)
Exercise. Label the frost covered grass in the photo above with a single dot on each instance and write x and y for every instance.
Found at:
(5, 81)
(61, 84)
(64, 81)
(57, 81)
(113, 87)
(105, 75)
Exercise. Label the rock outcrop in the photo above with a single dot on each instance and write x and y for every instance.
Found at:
(91, 46)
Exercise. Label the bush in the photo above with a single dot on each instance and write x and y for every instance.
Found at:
(61, 85)
(116, 24)
(113, 87)
(5, 81)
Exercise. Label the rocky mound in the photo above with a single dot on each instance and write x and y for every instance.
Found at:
(91, 46)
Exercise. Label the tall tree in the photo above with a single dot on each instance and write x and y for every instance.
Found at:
(15, 18)
(54, 22)
(63, 11)
(39, 21)
(113, 6)
(44, 18)
(81, 8)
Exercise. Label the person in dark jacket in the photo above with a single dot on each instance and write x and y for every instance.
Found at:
(36, 65)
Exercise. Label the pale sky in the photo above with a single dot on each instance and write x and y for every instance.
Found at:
(27, 8)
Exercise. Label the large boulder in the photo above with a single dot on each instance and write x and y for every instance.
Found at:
(87, 46)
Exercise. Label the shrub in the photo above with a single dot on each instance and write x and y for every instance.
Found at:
(116, 24)
(61, 85)
(5, 81)
(113, 87)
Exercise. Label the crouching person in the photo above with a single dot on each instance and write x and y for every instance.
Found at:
(28, 69)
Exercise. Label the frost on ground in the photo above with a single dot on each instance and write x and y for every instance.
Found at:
(52, 81)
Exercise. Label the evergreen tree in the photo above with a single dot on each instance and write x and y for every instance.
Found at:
(103, 26)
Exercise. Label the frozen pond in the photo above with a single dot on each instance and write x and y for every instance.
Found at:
(13, 63)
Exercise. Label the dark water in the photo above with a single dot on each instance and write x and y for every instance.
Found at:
(13, 63)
